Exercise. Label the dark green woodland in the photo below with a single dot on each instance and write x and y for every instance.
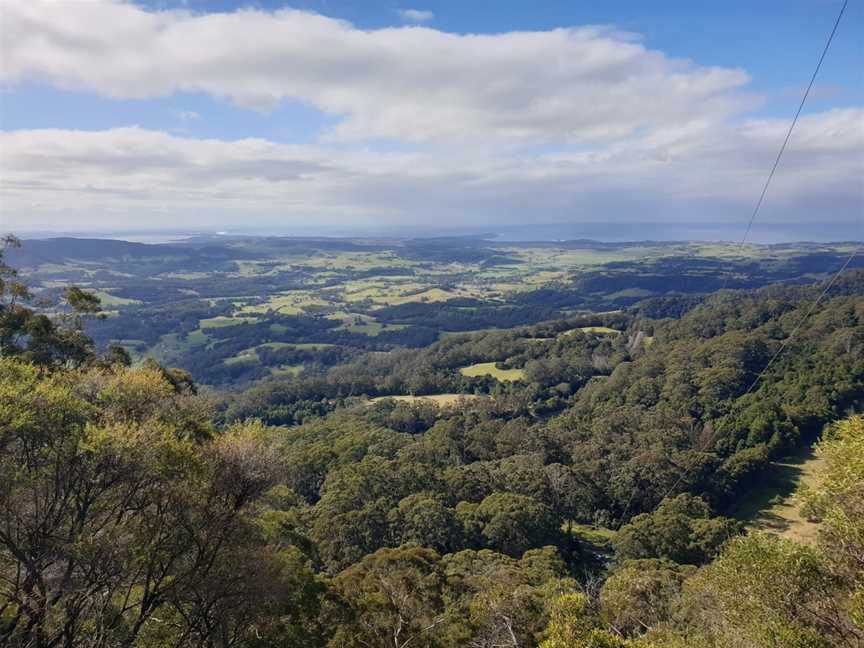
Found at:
(511, 459)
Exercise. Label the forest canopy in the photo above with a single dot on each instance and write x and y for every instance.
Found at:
(591, 502)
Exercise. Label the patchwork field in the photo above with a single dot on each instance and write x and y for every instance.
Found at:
(203, 304)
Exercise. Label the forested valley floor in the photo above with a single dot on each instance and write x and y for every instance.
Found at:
(578, 478)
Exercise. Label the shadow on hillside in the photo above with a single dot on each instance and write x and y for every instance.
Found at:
(764, 507)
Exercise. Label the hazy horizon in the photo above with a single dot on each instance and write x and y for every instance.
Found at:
(615, 233)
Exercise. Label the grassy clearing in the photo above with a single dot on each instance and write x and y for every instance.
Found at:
(287, 370)
(293, 303)
(597, 536)
(303, 346)
(186, 276)
(393, 291)
(776, 507)
(197, 337)
(247, 356)
(445, 334)
(169, 347)
(489, 369)
(442, 400)
(370, 328)
(630, 292)
(361, 324)
(434, 295)
(601, 330)
(108, 299)
(591, 330)
(366, 325)
(250, 355)
(222, 320)
(277, 345)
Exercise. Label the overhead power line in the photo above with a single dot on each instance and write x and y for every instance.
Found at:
(755, 212)
(762, 198)
(803, 319)
(780, 350)
(789, 132)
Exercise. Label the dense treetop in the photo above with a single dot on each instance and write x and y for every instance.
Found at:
(136, 511)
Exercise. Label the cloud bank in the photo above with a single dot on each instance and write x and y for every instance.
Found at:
(411, 83)
(563, 125)
(666, 176)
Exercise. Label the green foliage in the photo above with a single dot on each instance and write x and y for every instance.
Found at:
(573, 624)
(423, 519)
(132, 514)
(395, 597)
(499, 600)
(681, 530)
(115, 514)
(509, 523)
(641, 594)
(50, 335)
(839, 499)
(766, 591)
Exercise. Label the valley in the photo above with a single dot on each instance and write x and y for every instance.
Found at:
(332, 421)
(237, 310)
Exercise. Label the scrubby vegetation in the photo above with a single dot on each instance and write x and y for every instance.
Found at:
(590, 503)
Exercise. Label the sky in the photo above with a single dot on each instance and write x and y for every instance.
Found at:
(377, 113)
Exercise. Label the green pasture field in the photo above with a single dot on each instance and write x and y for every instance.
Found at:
(221, 320)
(292, 303)
(197, 337)
(108, 299)
(250, 355)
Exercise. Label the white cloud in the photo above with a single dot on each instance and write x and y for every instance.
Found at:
(524, 127)
(586, 84)
(187, 115)
(416, 15)
(133, 177)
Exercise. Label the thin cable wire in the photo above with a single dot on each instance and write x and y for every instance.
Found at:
(753, 219)
(773, 358)
(789, 134)
(802, 320)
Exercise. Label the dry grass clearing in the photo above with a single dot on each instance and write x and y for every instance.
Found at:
(442, 400)
(489, 369)
(777, 507)
(603, 330)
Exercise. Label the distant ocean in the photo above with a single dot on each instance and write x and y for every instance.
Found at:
(821, 232)
(616, 232)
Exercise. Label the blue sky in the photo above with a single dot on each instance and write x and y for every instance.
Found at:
(462, 128)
